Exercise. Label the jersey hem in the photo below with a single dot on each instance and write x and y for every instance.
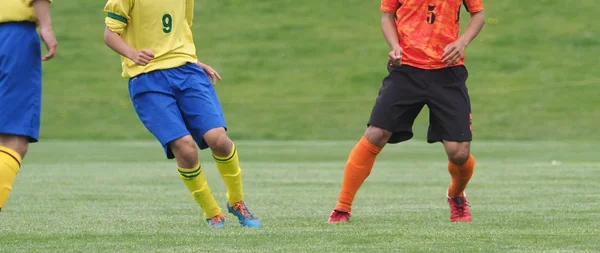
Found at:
(18, 21)
(155, 68)
(431, 66)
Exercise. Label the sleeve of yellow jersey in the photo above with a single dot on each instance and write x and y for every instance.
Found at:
(117, 14)
(29, 2)
(189, 12)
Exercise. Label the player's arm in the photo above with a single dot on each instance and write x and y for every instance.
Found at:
(117, 19)
(42, 11)
(189, 17)
(212, 73)
(117, 44)
(390, 31)
(473, 28)
(455, 51)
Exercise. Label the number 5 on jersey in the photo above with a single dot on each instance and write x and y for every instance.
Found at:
(167, 22)
(430, 14)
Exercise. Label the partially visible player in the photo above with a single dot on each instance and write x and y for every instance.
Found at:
(21, 81)
(425, 68)
(173, 95)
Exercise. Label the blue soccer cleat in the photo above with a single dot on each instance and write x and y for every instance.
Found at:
(217, 221)
(247, 219)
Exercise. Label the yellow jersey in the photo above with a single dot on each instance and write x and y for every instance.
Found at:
(161, 26)
(17, 11)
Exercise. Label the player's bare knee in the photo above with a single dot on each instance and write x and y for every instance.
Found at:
(459, 156)
(22, 150)
(185, 151)
(377, 136)
(19, 144)
(223, 146)
(219, 142)
(458, 152)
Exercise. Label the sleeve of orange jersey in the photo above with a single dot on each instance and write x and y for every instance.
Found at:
(474, 6)
(389, 6)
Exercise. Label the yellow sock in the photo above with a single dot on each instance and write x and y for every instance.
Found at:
(10, 163)
(229, 168)
(195, 180)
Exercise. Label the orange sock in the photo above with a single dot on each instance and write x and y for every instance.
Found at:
(359, 165)
(460, 176)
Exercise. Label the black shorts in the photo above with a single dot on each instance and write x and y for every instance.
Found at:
(407, 89)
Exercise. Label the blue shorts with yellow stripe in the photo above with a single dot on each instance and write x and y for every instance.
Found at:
(176, 102)
(20, 80)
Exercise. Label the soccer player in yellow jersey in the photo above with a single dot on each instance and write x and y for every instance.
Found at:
(173, 95)
(21, 81)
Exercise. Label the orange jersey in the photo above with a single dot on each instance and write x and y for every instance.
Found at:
(426, 27)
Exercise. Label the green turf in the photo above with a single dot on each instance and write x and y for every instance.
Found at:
(123, 197)
(311, 70)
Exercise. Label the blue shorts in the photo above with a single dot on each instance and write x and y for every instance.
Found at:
(20, 80)
(176, 102)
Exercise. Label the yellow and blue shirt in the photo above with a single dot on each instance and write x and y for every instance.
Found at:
(17, 11)
(161, 26)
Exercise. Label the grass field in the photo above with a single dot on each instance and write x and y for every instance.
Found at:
(311, 71)
(123, 197)
(298, 72)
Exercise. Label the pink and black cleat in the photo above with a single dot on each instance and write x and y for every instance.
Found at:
(339, 216)
(459, 209)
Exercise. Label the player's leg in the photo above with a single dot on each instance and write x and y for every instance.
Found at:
(157, 109)
(202, 111)
(358, 167)
(12, 150)
(399, 102)
(451, 124)
(193, 176)
(20, 98)
(227, 160)
(461, 164)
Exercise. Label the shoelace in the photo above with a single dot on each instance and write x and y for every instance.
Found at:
(460, 208)
(338, 215)
(217, 219)
(243, 209)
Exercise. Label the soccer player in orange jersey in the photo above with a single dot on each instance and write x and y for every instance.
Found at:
(425, 68)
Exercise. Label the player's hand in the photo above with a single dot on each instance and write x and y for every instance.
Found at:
(142, 57)
(49, 39)
(395, 56)
(454, 52)
(212, 74)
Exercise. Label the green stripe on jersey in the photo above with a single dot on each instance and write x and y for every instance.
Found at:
(117, 17)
